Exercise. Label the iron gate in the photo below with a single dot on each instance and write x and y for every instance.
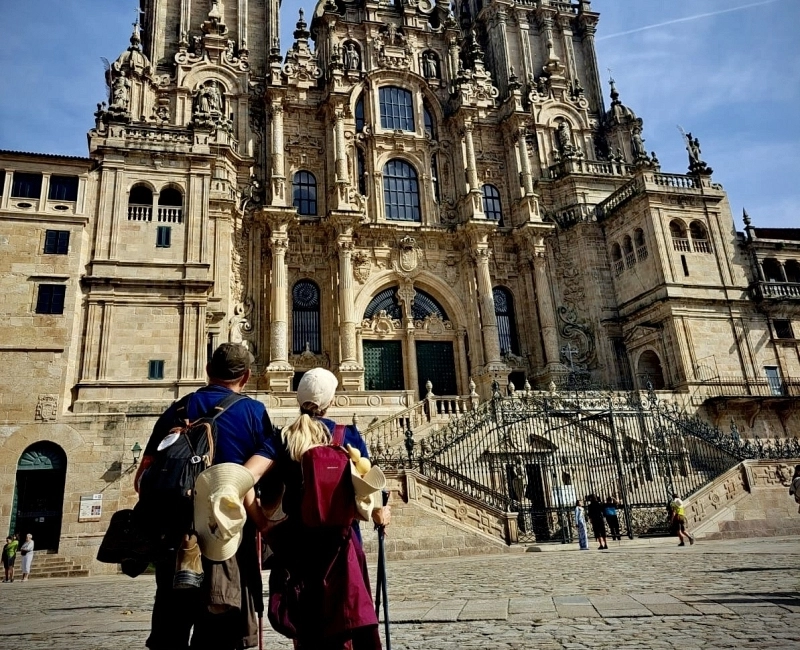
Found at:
(535, 456)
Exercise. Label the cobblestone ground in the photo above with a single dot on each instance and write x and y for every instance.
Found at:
(742, 594)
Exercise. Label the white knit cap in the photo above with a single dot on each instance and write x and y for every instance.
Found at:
(317, 387)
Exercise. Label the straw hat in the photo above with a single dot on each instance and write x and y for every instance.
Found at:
(219, 514)
(367, 489)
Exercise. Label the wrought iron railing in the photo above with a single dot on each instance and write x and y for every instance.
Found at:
(536, 453)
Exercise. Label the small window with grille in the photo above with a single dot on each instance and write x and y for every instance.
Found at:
(56, 242)
(163, 237)
(51, 299)
(783, 329)
(155, 369)
(63, 188)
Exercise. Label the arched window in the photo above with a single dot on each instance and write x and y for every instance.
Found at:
(792, 270)
(616, 259)
(304, 191)
(639, 243)
(359, 114)
(680, 241)
(649, 370)
(430, 129)
(170, 205)
(627, 248)
(397, 109)
(386, 301)
(699, 237)
(772, 270)
(491, 203)
(305, 317)
(426, 305)
(361, 170)
(140, 203)
(506, 323)
(400, 191)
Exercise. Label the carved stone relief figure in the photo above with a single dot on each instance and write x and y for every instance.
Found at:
(120, 92)
(352, 58)
(430, 65)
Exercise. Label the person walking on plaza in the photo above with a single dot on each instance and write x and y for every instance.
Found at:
(610, 512)
(598, 522)
(580, 524)
(794, 488)
(221, 614)
(678, 520)
(325, 564)
(9, 558)
(26, 551)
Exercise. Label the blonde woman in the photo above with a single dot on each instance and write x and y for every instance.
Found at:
(335, 608)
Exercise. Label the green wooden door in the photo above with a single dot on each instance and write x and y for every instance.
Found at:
(383, 365)
(435, 361)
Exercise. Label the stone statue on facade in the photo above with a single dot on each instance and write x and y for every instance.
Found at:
(693, 147)
(430, 66)
(518, 479)
(637, 145)
(120, 92)
(352, 59)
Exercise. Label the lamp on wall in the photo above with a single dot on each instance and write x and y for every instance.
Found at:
(136, 452)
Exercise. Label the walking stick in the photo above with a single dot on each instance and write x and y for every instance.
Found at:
(381, 588)
(261, 613)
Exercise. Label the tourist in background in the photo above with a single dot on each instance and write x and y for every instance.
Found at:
(610, 512)
(580, 524)
(678, 520)
(598, 521)
(9, 558)
(26, 551)
(794, 488)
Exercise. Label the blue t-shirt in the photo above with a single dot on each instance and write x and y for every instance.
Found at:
(243, 430)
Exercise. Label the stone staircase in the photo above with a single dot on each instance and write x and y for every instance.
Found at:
(430, 520)
(52, 565)
(750, 500)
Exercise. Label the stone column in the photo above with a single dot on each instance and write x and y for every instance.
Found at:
(783, 272)
(279, 372)
(339, 146)
(547, 316)
(525, 163)
(489, 332)
(278, 165)
(351, 372)
(472, 171)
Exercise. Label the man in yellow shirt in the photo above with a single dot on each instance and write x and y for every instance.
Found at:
(678, 520)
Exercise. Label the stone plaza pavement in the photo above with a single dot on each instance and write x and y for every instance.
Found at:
(641, 594)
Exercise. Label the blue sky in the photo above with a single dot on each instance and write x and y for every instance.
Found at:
(726, 70)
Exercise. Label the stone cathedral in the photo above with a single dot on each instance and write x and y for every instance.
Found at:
(426, 199)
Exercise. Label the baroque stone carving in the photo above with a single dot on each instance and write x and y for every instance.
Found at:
(381, 324)
(361, 266)
(47, 408)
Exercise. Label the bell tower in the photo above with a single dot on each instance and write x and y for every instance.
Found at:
(249, 27)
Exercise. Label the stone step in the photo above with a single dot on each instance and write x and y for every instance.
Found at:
(68, 573)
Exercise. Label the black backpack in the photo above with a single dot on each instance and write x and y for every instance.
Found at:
(166, 487)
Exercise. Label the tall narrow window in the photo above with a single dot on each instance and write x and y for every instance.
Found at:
(304, 190)
(305, 317)
(616, 259)
(26, 186)
(170, 205)
(2, 181)
(506, 323)
(359, 115)
(627, 247)
(362, 172)
(680, 240)
(56, 242)
(435, 179)
(400, 191)
(640, 244)
(774, 380)
(700, 242)
(397, 109)
(491, 203)
(63, 188)
(430, 129)
(51, 299)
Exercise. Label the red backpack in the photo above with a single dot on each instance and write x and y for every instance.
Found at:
(328, 497)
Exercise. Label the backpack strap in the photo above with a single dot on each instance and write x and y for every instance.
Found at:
(338, 435)
(224, 404)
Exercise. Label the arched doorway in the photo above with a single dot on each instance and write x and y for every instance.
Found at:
(649, 370)
(39, 494)
(408, 341)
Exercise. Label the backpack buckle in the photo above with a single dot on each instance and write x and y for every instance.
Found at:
(196, 459)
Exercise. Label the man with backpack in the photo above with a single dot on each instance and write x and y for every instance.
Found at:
(214, 425)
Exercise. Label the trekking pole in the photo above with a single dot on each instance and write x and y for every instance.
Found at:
(381, 587)
(261, 613)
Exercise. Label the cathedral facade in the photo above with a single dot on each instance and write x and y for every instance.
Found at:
(424, 199)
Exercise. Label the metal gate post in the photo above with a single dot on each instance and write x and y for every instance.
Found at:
(626, 507)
